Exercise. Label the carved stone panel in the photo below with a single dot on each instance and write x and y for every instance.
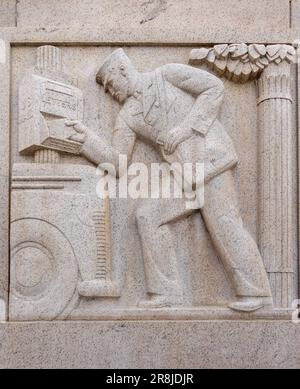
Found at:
(149, 183)
(80, 252)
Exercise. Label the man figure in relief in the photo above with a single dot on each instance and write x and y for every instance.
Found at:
(175, 108)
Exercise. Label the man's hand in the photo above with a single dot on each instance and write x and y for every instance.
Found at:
(81, 130)
(176, 136)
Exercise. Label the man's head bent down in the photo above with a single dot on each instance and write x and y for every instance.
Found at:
(118, 76)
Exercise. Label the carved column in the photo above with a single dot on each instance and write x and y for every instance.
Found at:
(48, 59)
(271, 65)
(275, 180)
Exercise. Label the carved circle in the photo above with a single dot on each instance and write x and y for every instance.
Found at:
(34, 269)
(44, 271)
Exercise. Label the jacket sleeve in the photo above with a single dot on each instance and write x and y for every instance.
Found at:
(100, 152)
(207, 89)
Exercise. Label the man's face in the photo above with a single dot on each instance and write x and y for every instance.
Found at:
(118, 86)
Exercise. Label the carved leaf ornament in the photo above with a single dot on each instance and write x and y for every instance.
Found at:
(241, 62)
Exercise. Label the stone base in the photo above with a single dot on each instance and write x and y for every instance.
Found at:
(150, 344)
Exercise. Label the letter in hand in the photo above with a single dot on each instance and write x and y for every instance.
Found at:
(176, 136)
(81, 130)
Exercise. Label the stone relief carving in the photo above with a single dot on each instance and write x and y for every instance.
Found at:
(61, 232)
(63, 255)
(152, 9)
(271, 66)
(240, 62)
(47, 98)
(175, 108)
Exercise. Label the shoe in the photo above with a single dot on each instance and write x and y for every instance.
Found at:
(160, 302)
(247, 304)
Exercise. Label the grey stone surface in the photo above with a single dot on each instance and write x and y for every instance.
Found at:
(4, 245)
(194, 292)
(295, 13)
(186, 344)
(5, 106)
(186, 131)
(240, 62)
(100, 111)
(76, 257)
(4, 172)
(131, 293)
(8, 13)
(272, 66)
(154, 13)
(132, 37)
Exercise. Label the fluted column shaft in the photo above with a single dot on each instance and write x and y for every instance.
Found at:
(49, 58)
(275, 212)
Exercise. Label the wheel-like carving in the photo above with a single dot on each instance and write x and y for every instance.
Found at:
(44, 271)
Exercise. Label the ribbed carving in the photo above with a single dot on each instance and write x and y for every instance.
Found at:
(49, 57)
(275, 216)
(274, 87)
(102, 226)
(46, 156)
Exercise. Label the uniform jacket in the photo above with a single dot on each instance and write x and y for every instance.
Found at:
(176, 95)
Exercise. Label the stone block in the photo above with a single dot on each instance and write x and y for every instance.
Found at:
(151, 345)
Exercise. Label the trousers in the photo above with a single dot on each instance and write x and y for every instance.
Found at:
(234, 245)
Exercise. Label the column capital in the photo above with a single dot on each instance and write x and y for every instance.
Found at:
(240, 62)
